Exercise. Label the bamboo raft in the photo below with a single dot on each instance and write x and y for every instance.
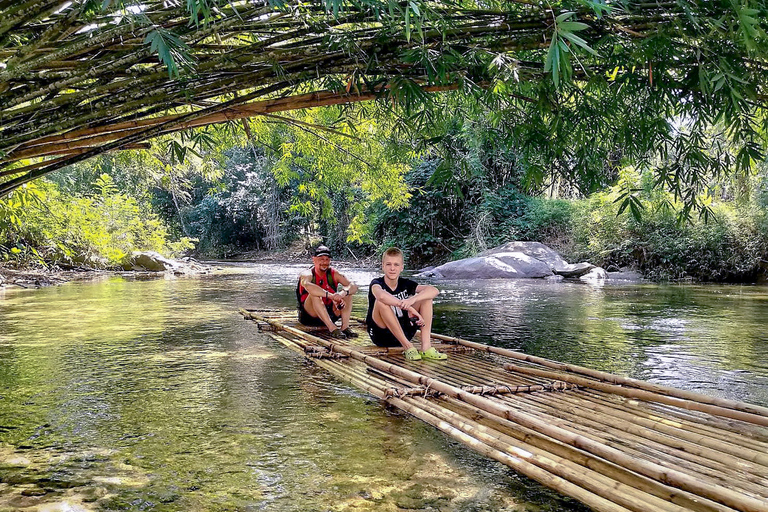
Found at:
(615, 444)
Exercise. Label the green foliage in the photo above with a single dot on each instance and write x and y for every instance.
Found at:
(17, 235)
(558, 61)
(730, 246)
(243, 210)
(428, 229)
(101, 229)
(170, 49)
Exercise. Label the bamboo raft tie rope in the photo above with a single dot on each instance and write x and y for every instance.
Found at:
(505, 389)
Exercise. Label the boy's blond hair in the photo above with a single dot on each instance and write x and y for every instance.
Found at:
(392, 252)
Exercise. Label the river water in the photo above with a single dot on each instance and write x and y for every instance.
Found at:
(155, 395)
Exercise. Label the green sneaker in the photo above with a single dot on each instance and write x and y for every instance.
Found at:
(431, 353)
(412, 354)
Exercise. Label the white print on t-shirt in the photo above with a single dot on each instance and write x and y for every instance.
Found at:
(401, 296)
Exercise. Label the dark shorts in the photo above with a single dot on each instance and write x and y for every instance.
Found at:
(307, 319)
(384, 337)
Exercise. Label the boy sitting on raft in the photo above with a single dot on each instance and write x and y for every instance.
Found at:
(398, 307)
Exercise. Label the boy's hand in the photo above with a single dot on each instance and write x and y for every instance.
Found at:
(416, 317)
(407, 303)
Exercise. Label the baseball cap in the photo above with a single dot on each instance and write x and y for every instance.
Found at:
(322, 250)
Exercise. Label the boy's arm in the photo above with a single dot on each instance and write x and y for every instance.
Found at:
(384, 297)
(390, 300)
(423, 292)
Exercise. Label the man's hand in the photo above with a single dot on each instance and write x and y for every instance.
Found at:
(338, 300)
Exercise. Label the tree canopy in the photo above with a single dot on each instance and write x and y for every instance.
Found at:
(678, 83)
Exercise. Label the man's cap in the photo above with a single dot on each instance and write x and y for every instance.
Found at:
(322, 250)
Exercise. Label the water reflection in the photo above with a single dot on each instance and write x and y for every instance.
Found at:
(156, 395)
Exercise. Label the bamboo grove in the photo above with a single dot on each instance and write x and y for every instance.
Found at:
(83, 77)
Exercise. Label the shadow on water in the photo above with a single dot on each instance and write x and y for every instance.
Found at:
(156, 395)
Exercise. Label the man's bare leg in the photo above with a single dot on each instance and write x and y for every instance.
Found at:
(385, 318)
(425, 310)
(346, 313)
(315, 307)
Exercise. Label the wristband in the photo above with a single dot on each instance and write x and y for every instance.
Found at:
(326, 294)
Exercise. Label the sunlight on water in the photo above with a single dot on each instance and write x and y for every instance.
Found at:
(156, 395)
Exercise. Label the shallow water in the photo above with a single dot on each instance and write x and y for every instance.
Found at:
(155, 395)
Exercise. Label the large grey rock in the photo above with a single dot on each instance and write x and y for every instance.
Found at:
(625, 275)
(522, 260)
(151, 261)
(543, 253)
(501, 265)
(573, 270)
(595, 275)
(535, 250)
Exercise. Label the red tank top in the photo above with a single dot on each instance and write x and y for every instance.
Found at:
(326, 282)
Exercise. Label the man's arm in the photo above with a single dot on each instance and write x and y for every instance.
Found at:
(312, 288)
(350, 288)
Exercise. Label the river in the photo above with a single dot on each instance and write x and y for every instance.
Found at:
(155, 395)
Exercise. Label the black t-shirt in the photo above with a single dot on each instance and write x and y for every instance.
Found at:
(405, 288)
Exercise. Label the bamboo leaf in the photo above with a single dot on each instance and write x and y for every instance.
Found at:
(571, 26)
(579, 42)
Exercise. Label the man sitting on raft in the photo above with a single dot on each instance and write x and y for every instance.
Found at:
(319, 301)
(397, 307)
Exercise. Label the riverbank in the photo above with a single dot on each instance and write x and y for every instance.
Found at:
(40, 277)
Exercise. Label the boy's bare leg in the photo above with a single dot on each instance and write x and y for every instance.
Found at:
(385, 318)
(425, 310)
(315, 307)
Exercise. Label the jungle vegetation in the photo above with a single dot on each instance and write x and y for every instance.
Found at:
(458, 125)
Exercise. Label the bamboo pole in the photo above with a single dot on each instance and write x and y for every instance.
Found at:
(726, 471)
(614, 379)
(644, 395)
(694, 442)
(585, 422)
(673, 477)
(632, 500)
(713, 461)
(685, 499)
(602, 485)
(692, 438)
(616, 491)
(99, 135)
(749, 436)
